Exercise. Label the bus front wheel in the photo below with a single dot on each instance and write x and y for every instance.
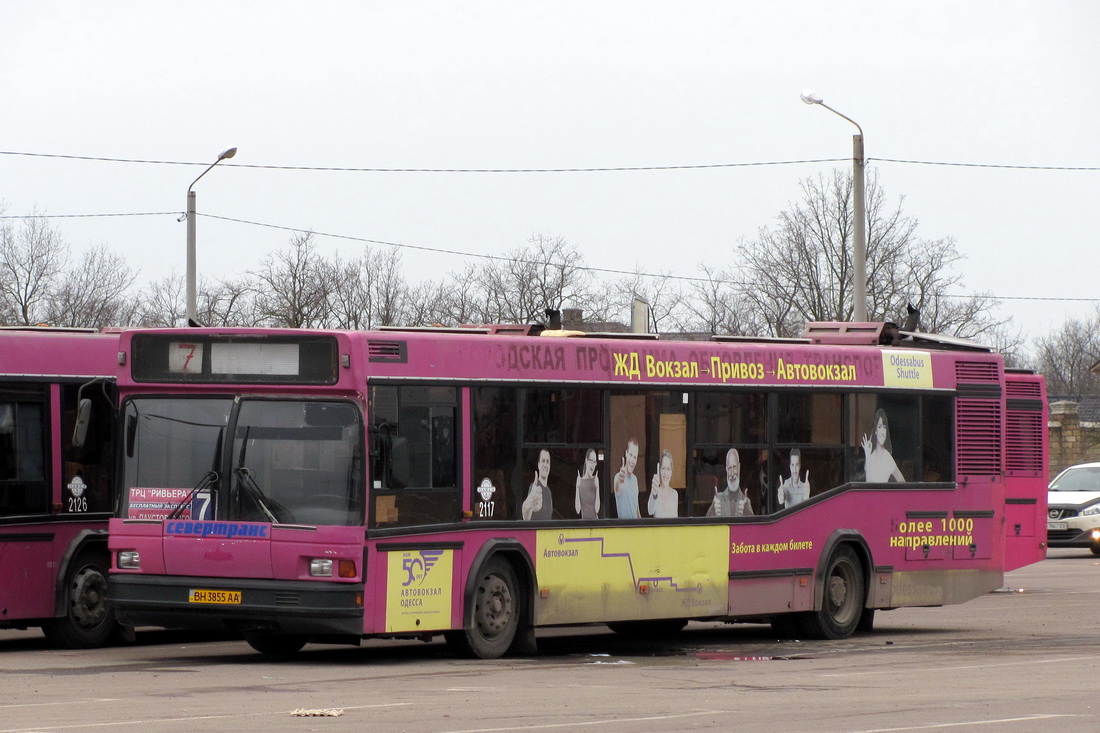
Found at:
(496, 613)
(88, 619)
(842, 599)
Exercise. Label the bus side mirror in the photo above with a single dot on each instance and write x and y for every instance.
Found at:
(83, 418)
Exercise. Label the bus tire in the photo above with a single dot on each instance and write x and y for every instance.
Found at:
(842, 596)
(88, 620)
(276, 645)
(496, 613)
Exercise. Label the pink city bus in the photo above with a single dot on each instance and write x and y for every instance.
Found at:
(56, 497)
(319, 486)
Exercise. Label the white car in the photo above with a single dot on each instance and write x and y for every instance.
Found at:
(1073, 508)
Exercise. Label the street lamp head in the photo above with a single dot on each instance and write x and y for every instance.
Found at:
(228, 154)
(809, 97)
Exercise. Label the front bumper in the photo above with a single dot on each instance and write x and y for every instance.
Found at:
(267, 606)
(1084, 534)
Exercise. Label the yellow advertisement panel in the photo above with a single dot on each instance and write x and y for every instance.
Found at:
(903, 368)
(636, 573)
(418, 590)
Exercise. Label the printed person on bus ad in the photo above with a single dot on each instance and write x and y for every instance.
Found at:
(539, 504)
(587, 502)
(879, 464)
(626, 483)
(796, 489)
(731, 501)
(663, 499)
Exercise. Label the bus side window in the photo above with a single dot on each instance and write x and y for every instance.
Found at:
(87, 467)
(495, 413)
(937, 444)
(23, 486)
(414, 455)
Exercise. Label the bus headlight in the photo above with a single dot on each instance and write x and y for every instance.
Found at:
(323, 567)
(129, 560)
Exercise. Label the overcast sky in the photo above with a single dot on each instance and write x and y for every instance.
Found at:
(588, 84)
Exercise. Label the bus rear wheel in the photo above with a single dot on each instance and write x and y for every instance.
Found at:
(88, 619)
(496, 613)
(276, 645)
(842, 599)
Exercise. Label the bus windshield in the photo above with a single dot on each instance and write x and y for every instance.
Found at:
(265, 460)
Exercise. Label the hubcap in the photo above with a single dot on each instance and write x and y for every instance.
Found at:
(495, 607)
(88, 598)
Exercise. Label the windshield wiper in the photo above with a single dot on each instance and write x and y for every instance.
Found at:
(255, 492)
(207, 478)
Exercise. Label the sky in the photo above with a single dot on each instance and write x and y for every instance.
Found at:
(996, 101)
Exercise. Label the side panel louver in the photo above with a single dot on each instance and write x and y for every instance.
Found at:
(979, 435)
(1023, 390)
(979, 419)
(1024, 441)
(977, 371)
(393, 352)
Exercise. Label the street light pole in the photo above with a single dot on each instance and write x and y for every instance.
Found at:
(192, 298)
(859, 250)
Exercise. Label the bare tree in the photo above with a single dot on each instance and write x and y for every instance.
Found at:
(33, 257)
(294, 287)
(715, 304)
(162, 303)
(659, 290)
(547, 273)
(219, 303)
(455, 300)
(802, 269)
(1064, 357)
(430, 303)
(391, 290)
(353, 300)
(229, 302)
(370, 290)
(94, 293)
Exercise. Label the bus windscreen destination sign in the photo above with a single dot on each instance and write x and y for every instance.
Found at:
(211, 358)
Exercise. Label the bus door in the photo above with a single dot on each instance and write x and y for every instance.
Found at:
(26, 543)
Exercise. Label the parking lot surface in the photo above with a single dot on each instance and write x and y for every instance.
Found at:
(1024, 658)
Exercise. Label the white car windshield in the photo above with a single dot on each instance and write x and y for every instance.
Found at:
(1083, 478)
